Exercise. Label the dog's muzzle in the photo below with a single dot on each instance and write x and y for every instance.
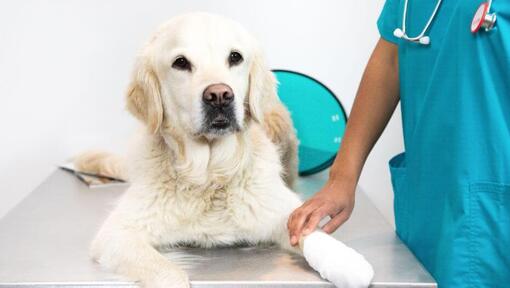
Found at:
(219, 113)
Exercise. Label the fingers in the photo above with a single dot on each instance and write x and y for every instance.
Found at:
(296, 222)
(313, 221)
(338, 220)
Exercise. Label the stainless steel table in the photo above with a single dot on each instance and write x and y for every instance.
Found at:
(44, 243)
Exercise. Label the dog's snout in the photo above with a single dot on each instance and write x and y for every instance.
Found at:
(218, 95)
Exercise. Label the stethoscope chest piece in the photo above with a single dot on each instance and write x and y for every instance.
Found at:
(483, 19)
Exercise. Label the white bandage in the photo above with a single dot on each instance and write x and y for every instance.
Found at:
(336, 262)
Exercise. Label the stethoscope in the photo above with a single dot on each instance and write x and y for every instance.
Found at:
(482, 19)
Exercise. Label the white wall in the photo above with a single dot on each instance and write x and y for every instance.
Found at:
(64, 65)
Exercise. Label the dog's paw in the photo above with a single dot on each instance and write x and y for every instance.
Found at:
(176, 278)
(336, 262)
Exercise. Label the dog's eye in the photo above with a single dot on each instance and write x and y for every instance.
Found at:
(182, 63)
(234, 58)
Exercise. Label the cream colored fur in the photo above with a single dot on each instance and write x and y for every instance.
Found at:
(187, 187)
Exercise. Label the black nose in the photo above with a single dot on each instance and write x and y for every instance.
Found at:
(218, 95)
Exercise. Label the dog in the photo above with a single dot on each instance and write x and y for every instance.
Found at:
(215, 159)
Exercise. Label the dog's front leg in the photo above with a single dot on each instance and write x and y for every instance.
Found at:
(127, 252)
(335, 261)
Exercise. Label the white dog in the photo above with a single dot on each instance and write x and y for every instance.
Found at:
(213, 166)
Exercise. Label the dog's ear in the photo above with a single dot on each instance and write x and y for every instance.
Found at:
(144, 96)
(262, 92)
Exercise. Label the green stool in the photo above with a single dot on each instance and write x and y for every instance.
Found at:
(318, 116)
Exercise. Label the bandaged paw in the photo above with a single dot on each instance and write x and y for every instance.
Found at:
(336, 262)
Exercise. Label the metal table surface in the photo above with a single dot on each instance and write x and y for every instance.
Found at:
(44, 243)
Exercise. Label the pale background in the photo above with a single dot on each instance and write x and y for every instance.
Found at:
(64, 66)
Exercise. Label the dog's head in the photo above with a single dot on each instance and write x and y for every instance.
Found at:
(203, 74)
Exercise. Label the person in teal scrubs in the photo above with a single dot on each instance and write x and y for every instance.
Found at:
(452, 184)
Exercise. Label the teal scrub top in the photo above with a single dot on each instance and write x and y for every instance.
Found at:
(452, 184)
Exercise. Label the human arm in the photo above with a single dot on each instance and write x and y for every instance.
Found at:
(376, 100)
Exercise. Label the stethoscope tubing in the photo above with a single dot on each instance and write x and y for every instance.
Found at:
(425, 40)
(425, 29)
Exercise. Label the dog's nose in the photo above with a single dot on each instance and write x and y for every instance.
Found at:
(218, 95)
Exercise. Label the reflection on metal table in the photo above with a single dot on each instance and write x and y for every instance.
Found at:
(44, 243)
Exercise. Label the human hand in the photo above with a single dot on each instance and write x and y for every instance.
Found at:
(335, 199)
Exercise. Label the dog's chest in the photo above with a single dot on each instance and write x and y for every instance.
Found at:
(220, 212)
(215, 200)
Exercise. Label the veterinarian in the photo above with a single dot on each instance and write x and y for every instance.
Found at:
(452, 184)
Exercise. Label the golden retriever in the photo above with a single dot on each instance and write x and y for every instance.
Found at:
(214, 161)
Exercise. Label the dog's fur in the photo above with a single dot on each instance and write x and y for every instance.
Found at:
(190, 184)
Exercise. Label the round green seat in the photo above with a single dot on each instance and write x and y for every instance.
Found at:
(318, 116)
